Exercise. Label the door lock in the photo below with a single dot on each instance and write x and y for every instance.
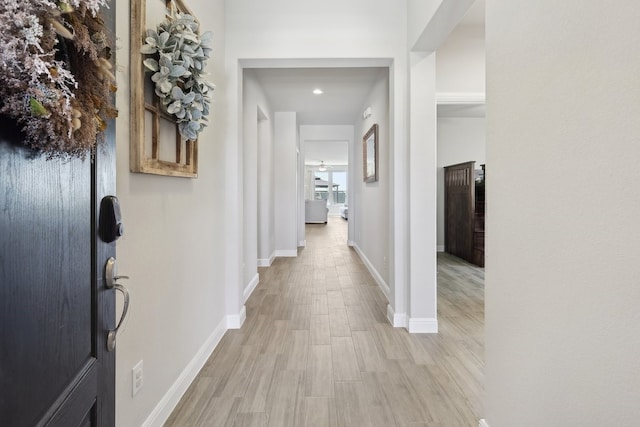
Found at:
(110, 226)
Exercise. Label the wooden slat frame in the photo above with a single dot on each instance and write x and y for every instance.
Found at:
(459, 209)
(140, 161)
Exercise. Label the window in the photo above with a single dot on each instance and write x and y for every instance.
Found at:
(331, 186)
(321, 186)
(339, 180)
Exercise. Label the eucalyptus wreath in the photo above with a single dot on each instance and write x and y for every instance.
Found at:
(177, 58)
(56, 80)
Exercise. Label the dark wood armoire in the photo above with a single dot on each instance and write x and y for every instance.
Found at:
(464, 210)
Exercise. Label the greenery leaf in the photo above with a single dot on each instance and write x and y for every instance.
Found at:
(188, 98)
(177, 71)
(174, 107)
(148, 49)
(176, 93)
(151, 64)
(163, 38)
(178, 56)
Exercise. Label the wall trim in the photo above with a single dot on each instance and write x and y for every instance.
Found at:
(172, 397)
(483, 423)
(376, 276)
(314, 62)
(288, 253)
(350, 243)
(397, 320)
(302, 244)
(440, 248)
(235, 321)
(248, 290)
(267, 261)
(460, 98)
(426, 325)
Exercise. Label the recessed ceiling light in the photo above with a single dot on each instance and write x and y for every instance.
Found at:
(318, 92)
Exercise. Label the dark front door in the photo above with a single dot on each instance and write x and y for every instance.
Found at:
(55, 310)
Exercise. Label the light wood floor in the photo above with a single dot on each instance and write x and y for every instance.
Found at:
(317, 350)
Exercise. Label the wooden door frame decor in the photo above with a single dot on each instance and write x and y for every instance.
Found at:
(142, 159)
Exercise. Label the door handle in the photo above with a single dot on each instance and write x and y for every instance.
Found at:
(113, 333)
(110, 276)
(111, 280)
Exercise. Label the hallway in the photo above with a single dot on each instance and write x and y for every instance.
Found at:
(316, 349)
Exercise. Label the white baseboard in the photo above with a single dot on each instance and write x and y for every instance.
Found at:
(440, 248)
(288, 253)
(302, 243)
(397, 320)
(350, 243)
(483, 423)
(170, 400)
(376, 276)
(423, 325)
(248, 290)
(267, 262)
(235, 321)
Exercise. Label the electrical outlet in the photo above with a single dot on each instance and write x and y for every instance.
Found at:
(137, 378)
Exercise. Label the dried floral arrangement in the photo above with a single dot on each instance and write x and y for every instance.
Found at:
(56, 80)
(177, 58)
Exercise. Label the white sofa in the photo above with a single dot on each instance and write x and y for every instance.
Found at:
(315, 211)
(344, 212)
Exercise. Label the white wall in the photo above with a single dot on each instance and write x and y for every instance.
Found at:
(563, 96)
(173, 249)
(249, 187)
(294, 29)
(419, 13)
(431, 21)
(254, 165)
(266, 185)
(422, 292)
(460, 65)
(285, 32)
(285, 143)
(370, 206)
(460, 139)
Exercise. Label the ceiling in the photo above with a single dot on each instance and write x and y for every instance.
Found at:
(344, 92)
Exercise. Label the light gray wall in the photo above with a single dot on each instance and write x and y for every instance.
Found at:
(285, 143)
(369, 208)
(421, 165)
(266, 205)
(174, 246)
(419, 13)
(562, 267)
(460, 139)
(258, 178)
(460, 62)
